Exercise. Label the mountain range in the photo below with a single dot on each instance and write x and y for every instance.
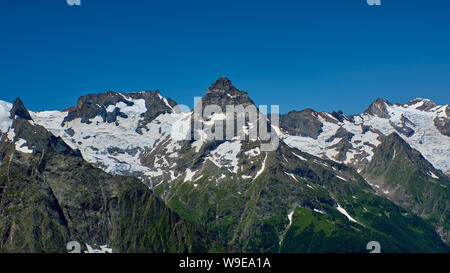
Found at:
(109, 174)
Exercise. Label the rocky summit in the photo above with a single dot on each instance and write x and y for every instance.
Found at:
(124, 172)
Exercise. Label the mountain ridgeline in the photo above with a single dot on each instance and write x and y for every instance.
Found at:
(50, 196)
(109, 172)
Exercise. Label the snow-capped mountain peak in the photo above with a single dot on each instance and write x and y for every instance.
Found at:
(421, 123)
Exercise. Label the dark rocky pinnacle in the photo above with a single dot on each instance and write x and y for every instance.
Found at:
(221, 84)
(20, 110)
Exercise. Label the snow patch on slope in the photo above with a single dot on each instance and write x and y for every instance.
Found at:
(22, 147)
(340, 177)
(290, 217)
(291, 176)
(319, 211)
(343, 211)
(310, 145)
(225, 155)
(300, 157)
(262, 169)
(253, 152)
(189, 175)
(433, 175)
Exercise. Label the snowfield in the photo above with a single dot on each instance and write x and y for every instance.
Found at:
(427, 139)
(118, 148)
(115, 147)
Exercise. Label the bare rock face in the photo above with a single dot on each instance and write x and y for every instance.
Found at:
(404, 127)
(301, 123)
(93, 105)
(19, 110)
(223, 93)
(341, 133)
(378, 108)
(426, 104)
(339, 115)
(443, 125)
(342, 147)
(37, 137)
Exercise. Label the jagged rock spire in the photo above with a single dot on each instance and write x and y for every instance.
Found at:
(222, 93)
(20, 110)
(222, 84)
(378, 108)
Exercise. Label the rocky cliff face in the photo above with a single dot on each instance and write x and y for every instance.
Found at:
(404, 176)
(223, 93)
(443, 124)
(302, 123)
(379, 108)
(49, 196)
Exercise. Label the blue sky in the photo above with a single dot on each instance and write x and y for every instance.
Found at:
(326, 55)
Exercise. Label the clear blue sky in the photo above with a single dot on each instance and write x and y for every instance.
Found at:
(326, 55)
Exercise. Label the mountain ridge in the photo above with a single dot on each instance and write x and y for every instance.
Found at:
(50, 196)
(321, 160)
